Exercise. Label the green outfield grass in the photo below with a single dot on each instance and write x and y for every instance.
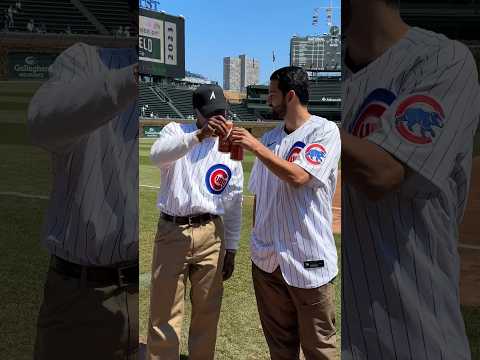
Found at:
(240, 335)
(23, 262)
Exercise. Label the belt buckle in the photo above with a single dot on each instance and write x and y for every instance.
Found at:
(121, 276)
(190, 221)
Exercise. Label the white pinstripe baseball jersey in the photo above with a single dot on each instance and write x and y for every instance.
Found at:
(420, 102)
(86, 116)
(293, 226)
(196, 178)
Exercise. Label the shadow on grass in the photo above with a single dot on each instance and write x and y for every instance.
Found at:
(142, 352)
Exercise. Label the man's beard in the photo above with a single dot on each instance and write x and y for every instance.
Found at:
(279, 112)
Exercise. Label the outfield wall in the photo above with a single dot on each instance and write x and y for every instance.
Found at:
(149, 128)
(40, 45)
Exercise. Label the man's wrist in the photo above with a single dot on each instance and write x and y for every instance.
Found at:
(257, 148)
(200, 136)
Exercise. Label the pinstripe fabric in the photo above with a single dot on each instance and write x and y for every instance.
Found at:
(401, 266)
(185, 188)
(294, 225)
(86, 116)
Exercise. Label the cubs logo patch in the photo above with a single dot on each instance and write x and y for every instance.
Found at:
(217, 178)
(368, 118)
(417, 117)
(295, 151)
(315, 154)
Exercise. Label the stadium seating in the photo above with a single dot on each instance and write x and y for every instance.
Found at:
(321, 89)
(181, 98)
(171, 100)
(242, 112)
(112, 13)
(158, 105)
(55, 14)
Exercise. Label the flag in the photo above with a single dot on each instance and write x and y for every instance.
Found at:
(273, 56)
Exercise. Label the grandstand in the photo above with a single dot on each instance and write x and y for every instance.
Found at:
(325, 99)
(111, 14)
(65, 16)
(174, 101)
(155, 103)
(55, 15)
(182, 99)
(241, 112)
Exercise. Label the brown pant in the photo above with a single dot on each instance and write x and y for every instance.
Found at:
(292, 317)
(195, 252)
(81, 322)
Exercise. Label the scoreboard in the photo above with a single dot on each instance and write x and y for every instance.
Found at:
(161, 44)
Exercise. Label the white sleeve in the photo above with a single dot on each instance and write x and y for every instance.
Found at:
(431, 124)
(255, 172)
(321, 155)
(232, 217)
(78, 98)
(171, 145)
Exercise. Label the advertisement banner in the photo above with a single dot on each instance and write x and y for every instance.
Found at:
(29, 66)
(151, 40)
(152, 131)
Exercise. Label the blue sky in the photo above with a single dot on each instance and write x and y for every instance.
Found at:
(218, 28)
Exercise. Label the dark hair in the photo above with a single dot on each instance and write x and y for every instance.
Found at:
(292, 78)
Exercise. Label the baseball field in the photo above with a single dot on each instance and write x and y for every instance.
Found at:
(25, 182)
(240, 335)
(24, 187)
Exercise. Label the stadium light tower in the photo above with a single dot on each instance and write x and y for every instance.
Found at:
(329, 10)
(319, 39)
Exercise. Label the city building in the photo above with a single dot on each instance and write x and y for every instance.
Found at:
(240, 72)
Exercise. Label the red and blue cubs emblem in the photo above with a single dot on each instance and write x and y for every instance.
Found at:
(417, 117)
(368, 119)
(295, 151)
(217, 178)
(315, 154)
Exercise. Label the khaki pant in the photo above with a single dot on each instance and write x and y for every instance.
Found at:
(293, 317)
(81, 322)
(184, 252)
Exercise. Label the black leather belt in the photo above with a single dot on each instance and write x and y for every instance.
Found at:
(120, 275)
(184, 220)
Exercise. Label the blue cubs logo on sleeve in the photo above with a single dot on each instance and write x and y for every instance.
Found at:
(368, 118)
(295, 151)
(217, 178)
(417, 118)
(315, 154)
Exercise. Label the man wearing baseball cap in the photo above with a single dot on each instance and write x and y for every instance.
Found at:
(200, 202)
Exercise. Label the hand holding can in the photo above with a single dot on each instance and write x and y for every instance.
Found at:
(236, 151)
(224, 143)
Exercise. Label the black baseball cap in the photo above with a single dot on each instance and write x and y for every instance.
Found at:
(209, 99)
